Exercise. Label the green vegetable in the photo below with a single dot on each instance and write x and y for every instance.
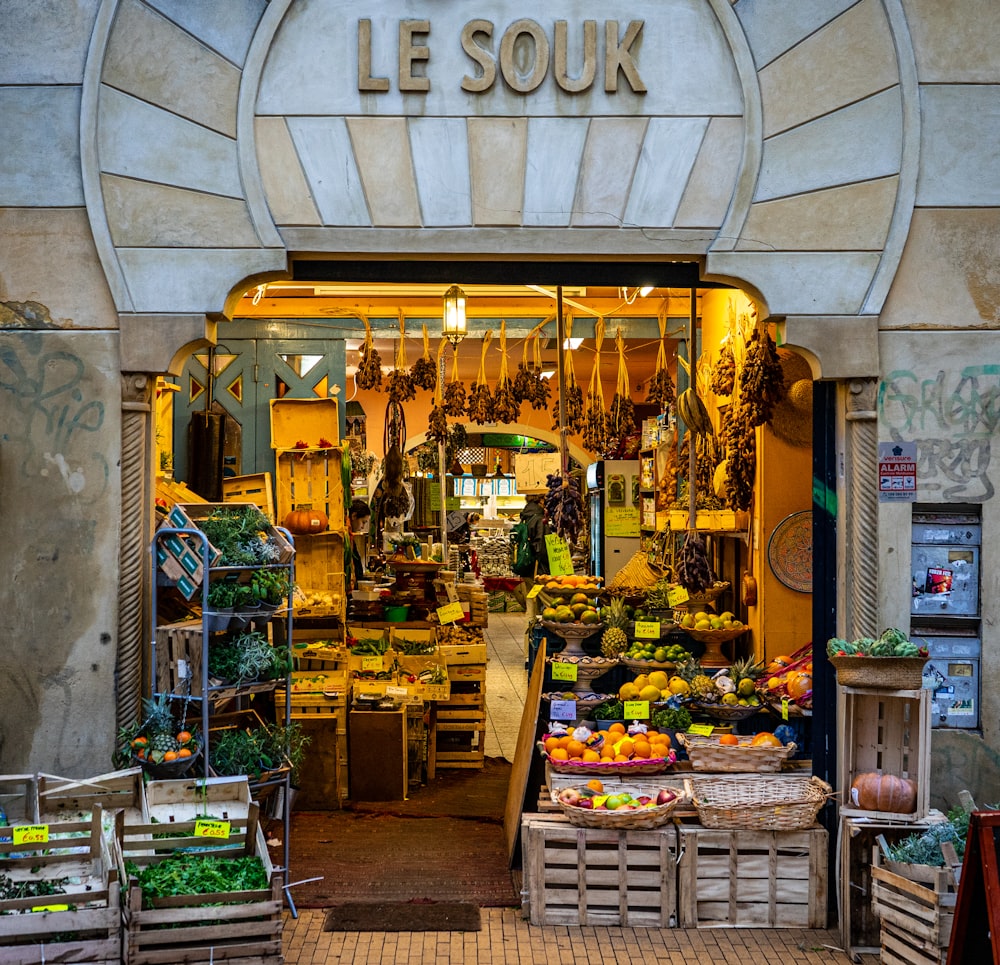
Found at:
(672, 718)
(198, 874)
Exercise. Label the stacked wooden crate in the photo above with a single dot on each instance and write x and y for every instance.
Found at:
(458, 725)
(475, 597)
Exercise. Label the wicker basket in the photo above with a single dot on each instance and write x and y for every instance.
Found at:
(767, 804)
(880, 673)
(707, 754)
(169, 770)
(643, 820)
(644, 766)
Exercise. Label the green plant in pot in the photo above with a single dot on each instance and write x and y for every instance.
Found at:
(270, 587)
(225, 595)
(248, 656)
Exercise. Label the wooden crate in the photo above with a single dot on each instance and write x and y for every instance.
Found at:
(81, 925)
(324, 781)
(62, 799)
(916, 919)
(474, 653)
(182, 800)
(179, 656)
(256, 488)
(237, 927)
(762, 879)
(198, 511)
(311, 480)
(888, 731)
(248, 720)
(19, 798)
(586, 876)
(457, 737)
(319, 576)
(314, 694)
(304, 420)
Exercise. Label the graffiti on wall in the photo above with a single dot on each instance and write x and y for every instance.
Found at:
(952, 417)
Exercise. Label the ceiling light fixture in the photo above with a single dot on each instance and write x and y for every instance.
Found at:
(453, 325)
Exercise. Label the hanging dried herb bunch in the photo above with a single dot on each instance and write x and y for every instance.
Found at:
(394, 433)
(595, 416)
(660, 391)
(621, 419)
(458, 439)
(454, 392)
(506, 406)
(370, 367)
(724, 372)
(437, 422)
(424, 373)
(761, 380)
(480, 403)
(564, 505)
(529, 386)
(740, 439)
(693, 570)
(401, 387)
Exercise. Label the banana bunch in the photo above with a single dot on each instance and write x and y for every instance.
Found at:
(692, 410)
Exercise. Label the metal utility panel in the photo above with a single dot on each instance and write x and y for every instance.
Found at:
(945, 565)
(953, 676)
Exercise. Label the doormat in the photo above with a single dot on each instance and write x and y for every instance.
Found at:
(404, 916)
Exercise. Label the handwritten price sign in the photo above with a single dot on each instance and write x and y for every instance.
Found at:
(204, 828)
(31, 834)
(563, 710)
(450, 612)
(647, 630)
(372, 661)
(560, 561)
(676, 596)
(534, 591)
(703, 730)
(636, 710)
(564, 671)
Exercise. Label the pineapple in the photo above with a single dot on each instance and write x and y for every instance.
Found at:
(702, 686)
(614, 641)
(160, 726)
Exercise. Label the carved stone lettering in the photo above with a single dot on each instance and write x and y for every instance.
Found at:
(585, 78)
(618, 56)
(365, 80)
(481, 56)
(524, 65)
(410, 52)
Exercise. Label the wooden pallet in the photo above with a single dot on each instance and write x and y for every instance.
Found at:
(915, 919)
(587, 876)
(84, 923)
(255, 488)
(755, 879)
(457, 737)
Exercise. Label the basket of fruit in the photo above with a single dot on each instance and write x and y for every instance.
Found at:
(159, 745)
(654, 655)
(732, 754)
(588, 752)
(767, 804)
(627, 807)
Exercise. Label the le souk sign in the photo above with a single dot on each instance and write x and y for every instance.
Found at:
(520, 55)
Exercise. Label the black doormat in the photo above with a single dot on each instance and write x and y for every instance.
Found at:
(404, 916)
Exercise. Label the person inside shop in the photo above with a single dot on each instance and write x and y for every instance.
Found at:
(533, 518)
(359, 518)
(460, 525)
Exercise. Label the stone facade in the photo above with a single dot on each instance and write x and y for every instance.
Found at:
(834, 158)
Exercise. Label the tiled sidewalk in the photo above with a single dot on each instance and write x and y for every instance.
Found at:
(507, 938)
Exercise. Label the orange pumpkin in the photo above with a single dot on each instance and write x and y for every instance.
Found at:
(304, 521)
(884, 792)
(801, 685)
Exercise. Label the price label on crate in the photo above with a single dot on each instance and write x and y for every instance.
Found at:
(50, 908)
(636, 710)
(391, 691)
(31, 834)
(784, 708)
(563, 671)
(372, 661)
(676, 596)
(534, 591)
(647, 630)
(562, 710)
(450, 612)
(702, 730)
(560, 561)
(205, 828)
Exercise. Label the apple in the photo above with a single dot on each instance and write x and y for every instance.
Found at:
(644, 799)
(585, 802)
(665, 796)
(569, 795)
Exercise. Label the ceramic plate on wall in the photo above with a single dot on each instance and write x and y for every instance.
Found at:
(790, 551)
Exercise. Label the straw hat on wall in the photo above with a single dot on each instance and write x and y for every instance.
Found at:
(792, 420)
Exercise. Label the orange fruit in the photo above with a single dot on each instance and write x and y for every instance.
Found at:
(620, 758)
(765, 739)
(551, 743)
(184, 752)
(184, 737)
(642, 748)
(616, 728)
(575, 748)
(559, 754)
(591, 756)
(800, 686)
(625, 746)
(595, 785)
(170, 756)
(564, 741)
(729, 740)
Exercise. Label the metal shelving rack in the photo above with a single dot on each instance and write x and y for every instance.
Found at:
(282, 783)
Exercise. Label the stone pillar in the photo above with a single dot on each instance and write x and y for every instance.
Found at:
(133, 551)
(862, 510)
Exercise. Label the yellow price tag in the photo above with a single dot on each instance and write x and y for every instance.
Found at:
(51, 908)
(676, 596)
(450, 612)
(205, 828)
(31, 833)
(372, 661)
(647, 630)
(560, 561)
(534, 591)
(563, 671)
(784, 708)
(703, 730)
(636, 710)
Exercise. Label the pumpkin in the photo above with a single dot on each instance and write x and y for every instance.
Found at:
(800, 685)
(884, 792)
(303, 521)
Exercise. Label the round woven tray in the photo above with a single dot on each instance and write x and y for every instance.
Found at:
(622, 768)
(707, 754)
(642, 820)
(715, 636)
(647, 664)
(724, 711)
(886, 673)
(168, 770)
(767, 804)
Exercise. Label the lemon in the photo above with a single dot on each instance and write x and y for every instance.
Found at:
(745, 687)
(678, 685)
(650, 693)
(703, 625)
(628, 691)
(731, 699)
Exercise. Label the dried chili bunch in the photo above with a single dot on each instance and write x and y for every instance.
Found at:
(370, 367)
(724, 372)
(400, 382)
(480, 404)
(694, 572)
(424, 373)
(507, 407)
(761, 380)
(453, 401)
(595, 415)
(741, 456)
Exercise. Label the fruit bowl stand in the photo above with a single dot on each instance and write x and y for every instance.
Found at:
(587, 672)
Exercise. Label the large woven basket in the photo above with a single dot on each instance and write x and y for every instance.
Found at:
(880, 673)
(707, 754)
(586, 769)
(642, 820)
(764, 804)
